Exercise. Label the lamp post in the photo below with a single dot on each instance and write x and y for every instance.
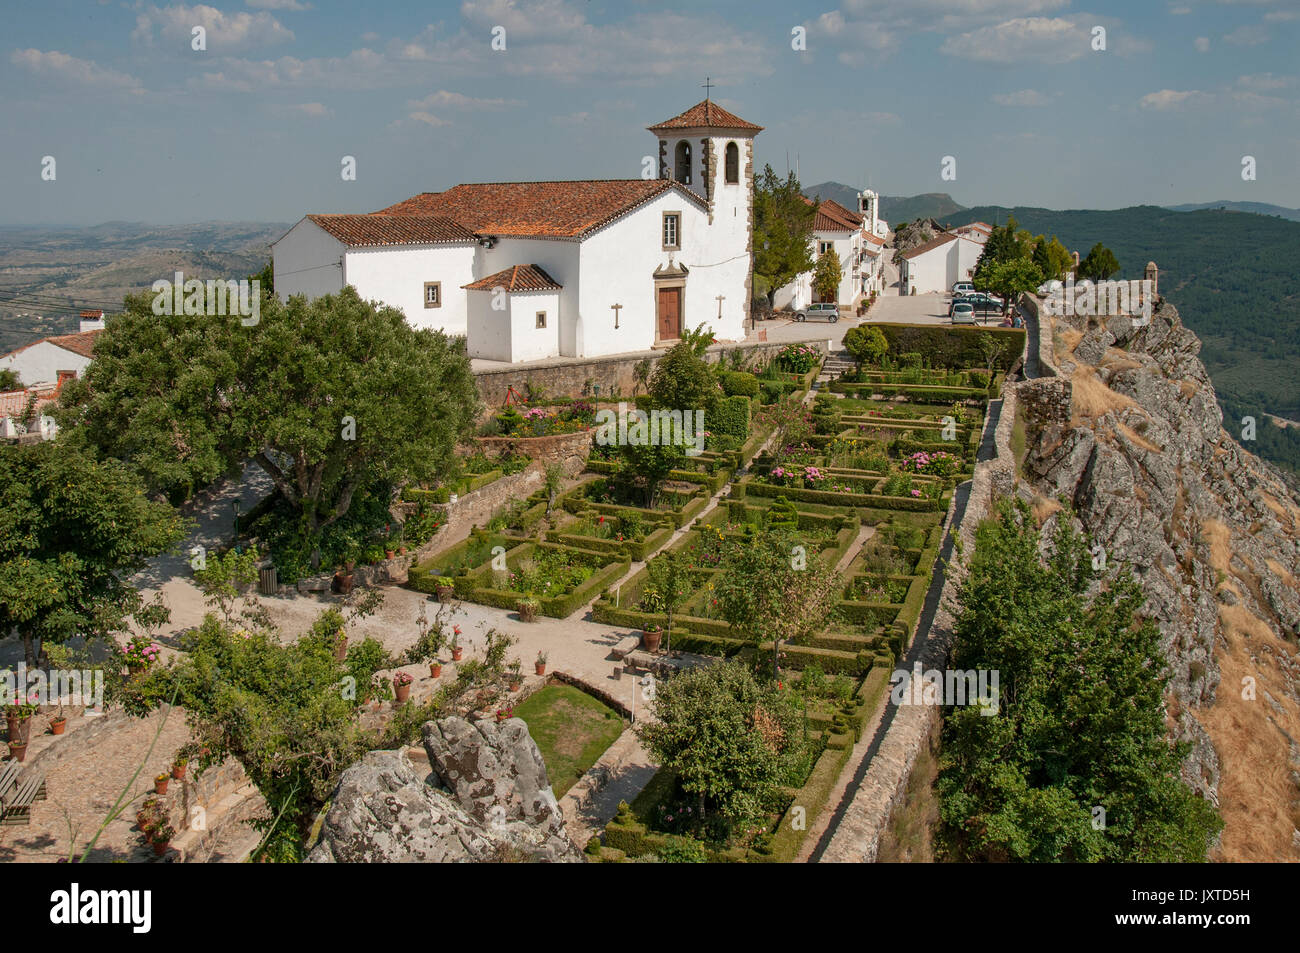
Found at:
(234, 529)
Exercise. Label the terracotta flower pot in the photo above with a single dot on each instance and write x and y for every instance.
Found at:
(160, 786)
(539, 668)
(343, 582)
(20, 729)
(18, 750)
(58, 726)
(444, 593)
(457, 654)
(160, 847)
(651, 640)
(401, 692)
(435, 669)
(178, 772)
(515, 686)
(389, 553)
(341, 649)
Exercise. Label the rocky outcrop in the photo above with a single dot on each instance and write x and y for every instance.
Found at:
(1132, 438)
(487, 798)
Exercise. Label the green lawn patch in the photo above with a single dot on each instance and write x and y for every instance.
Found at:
(572, 729)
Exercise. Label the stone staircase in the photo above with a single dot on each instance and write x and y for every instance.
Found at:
(836, 365)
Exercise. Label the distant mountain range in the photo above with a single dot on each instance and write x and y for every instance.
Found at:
(1256, 208)
(893, 208)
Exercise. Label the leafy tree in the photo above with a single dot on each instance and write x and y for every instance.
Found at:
(1080, 719)
(670, 575)
(867, 344)
(1009, 279)
(783, 226)
(826, 276)
(9, 379)
(327, 396)
(682, 379)
(774, 590)
(650, 464)
(71, 530)
(724, 735)
(1099, 264)
(1052, 258)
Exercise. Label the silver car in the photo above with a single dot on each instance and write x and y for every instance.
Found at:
(823, 311)
(963, 313)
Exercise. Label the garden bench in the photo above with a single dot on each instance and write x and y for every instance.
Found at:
(16, 807)
(8, 778)
(626, 647)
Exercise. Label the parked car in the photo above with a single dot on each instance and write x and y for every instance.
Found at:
(823, 311)
(963, 313)
(963, 288)
(980, 302)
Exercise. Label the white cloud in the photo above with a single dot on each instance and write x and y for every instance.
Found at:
(1169, 99)
(69, 70)
(293, 5)
(1252, 34)
(1266, 81)
(429, 119)
(447, 99)
(1282, 16)
(314, 110)
(1022, 97)
(1036, 39)
(225, 32)
(1202, 44)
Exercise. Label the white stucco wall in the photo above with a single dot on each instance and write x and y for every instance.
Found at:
(489, 330)
(528, 342)
(940, 268)
(559, 259)
(41, 362)
(307, 260)
(396, 275)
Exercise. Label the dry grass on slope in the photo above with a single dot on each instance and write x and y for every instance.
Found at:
(1090, 398)
(1256, 793)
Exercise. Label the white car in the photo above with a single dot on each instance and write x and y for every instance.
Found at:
(823, 311)
(963, 288)
(963, 313)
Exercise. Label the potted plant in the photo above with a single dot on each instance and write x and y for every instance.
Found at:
(515, 676)
(401, 687)
(343, 577)
(160, 783)
(504, 713)
(141, 652)
(162, 837)
(444, 588)
(148, 816)
(340, 645)
(435, 669)
(457, 652)
(178, 767)
(539, 664)
(19, 718)
(58, 722)
(18, 750)
(651, 636)
(527, 609)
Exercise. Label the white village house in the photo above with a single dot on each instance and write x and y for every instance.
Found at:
(857, 240)
(939, 264)
(530, 270)
(44, 366)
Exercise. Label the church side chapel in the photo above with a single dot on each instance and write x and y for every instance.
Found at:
(532, 270)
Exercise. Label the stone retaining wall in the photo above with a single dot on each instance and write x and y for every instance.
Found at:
(577, 377)
(857, 839)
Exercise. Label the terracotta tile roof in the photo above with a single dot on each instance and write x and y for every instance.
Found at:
(828, 220)
(92, 313)
(705, 115)
(82, 343)
(13, 403)
(379, 229)
(538, 209)
(874, 239)
(932, 244)
(517, 278)
(842, 213)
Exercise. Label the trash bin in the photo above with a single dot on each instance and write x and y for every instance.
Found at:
(268, 583)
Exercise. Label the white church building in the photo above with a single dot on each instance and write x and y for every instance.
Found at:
(530, 270)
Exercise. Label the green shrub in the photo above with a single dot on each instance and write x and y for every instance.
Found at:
(731, 417)
(739, 384)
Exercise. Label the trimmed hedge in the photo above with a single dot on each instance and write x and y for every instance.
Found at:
(739, 384)
(911, 504)
(731, 416)
(952, 346)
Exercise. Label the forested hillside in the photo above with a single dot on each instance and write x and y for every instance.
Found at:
(1233, 278)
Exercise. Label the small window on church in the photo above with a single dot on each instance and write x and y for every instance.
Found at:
(672, 231)
(433, 294)
(541, 319)
(683, 163)
(824, 247)
(733, 163)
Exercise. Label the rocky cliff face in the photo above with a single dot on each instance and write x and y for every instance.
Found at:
(1130, 436)
(487, 798)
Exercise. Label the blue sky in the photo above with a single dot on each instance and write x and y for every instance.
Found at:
(143, 128)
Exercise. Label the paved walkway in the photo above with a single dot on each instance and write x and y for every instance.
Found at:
(619, 774)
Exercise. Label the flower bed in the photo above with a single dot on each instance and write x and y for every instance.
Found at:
(561, 578)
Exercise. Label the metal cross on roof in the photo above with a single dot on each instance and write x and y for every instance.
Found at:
(708, 86)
